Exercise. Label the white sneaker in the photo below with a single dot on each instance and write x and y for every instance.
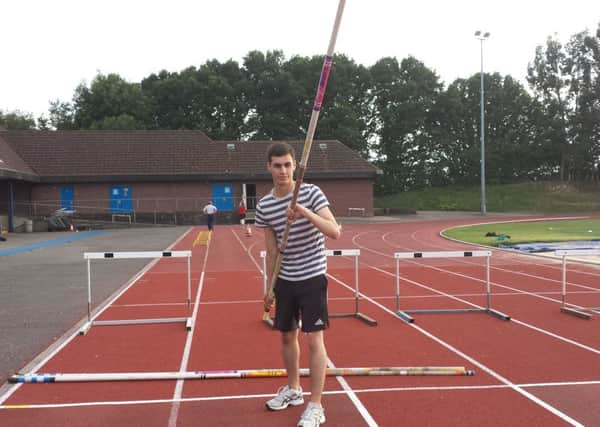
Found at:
(285, 396)
(313, 416)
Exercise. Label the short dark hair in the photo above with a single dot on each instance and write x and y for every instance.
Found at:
(279, 149)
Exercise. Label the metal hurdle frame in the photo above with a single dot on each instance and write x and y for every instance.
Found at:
(405, 314)
(330, 252)
(88, 256)
(564, 308)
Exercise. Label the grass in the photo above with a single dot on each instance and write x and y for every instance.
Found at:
(542, 197)
(528, 232)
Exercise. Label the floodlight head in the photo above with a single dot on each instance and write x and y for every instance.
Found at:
(486, 35)
(477, 33)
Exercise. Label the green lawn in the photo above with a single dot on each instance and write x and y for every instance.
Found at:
(543, 197)
(528, 232)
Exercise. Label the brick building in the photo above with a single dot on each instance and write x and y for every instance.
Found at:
(160, 176)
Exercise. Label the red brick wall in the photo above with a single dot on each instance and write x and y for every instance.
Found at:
(190, 196)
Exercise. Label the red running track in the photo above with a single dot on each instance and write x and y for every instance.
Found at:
(541, 368)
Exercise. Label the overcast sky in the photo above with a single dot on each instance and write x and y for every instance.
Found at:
(49, 47)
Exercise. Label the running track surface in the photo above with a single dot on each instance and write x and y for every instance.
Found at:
(540, 368)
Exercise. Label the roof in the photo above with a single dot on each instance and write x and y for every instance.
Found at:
(12, 166)
(173, 155)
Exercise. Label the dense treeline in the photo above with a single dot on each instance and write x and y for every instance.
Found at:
(396, 113)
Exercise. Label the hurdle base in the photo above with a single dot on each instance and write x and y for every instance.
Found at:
(269, 322)
(85, 328)
(405, 316)
(362, 317)
(497, 314)
(576, 313)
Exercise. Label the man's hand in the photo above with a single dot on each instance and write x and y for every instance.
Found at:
(268, 302)
(294, 214)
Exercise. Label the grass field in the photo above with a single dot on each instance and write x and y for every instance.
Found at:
(528, 232)
(542, 197)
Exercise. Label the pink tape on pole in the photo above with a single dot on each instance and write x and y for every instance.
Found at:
(323, 82)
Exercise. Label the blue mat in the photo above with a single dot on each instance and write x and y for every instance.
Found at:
(553, 246)
(52, 242)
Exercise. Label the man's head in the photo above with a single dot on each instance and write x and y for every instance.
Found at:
(281, 162)
(280, 149)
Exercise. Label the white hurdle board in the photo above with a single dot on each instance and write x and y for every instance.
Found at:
(567, 308)
(331, 252)
(88, 256)
(406, 314)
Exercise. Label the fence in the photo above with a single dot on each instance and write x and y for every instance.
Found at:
(146, 211)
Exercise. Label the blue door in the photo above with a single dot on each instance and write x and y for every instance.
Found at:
(66, 197)
(120, 199)
(222, 196)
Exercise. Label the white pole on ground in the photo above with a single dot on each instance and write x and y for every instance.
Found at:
(487, 281)
(356, 293)
(564, 280)
(189, 281)
(397, 284)
(89, 287)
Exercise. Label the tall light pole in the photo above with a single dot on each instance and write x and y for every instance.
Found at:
(482, 36)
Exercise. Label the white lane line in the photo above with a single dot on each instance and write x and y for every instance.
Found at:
(263, 396)
(480, 365)
(345, 386)
(69, 336)
(354, 398)
(188, 345)
(527, 325)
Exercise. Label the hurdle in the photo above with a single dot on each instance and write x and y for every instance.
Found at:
(405, 314)
(564, 308)
(89, 256)
(331, 252)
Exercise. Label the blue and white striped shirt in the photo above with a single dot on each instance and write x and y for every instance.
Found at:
(304, 255)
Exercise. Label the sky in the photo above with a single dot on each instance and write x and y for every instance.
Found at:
(50, 47)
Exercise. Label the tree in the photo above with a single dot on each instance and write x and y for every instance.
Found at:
(275, 98)
(549, 80)
(405, 96)
(347, 113)
(583, 67)
(16, 120)
(110, 101)
(209, 98)
(62, 115)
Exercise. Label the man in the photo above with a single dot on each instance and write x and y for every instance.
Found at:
(210, 210)
(242, 212)
(301, 287)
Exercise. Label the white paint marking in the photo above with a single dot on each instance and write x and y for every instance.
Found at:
(188, 345)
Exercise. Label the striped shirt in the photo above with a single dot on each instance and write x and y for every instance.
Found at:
(304, 255)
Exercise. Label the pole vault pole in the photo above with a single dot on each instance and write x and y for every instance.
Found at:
(327, 63)
(40, 378)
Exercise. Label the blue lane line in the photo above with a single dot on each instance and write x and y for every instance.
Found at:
(52, 242)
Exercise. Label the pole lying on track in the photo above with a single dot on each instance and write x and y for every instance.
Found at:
(251, 373)
(306, 150)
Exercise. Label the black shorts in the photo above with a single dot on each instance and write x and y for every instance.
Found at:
(305, 300)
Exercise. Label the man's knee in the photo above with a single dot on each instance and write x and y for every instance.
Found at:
(315, 341)
(289, 337)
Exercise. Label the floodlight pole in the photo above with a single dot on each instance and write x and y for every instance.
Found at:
(482, 36)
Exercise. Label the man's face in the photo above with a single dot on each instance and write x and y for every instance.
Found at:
(282, 169)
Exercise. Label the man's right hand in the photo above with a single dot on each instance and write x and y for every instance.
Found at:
(268, 302)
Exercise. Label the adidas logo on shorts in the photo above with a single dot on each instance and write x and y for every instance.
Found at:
(319, 322)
